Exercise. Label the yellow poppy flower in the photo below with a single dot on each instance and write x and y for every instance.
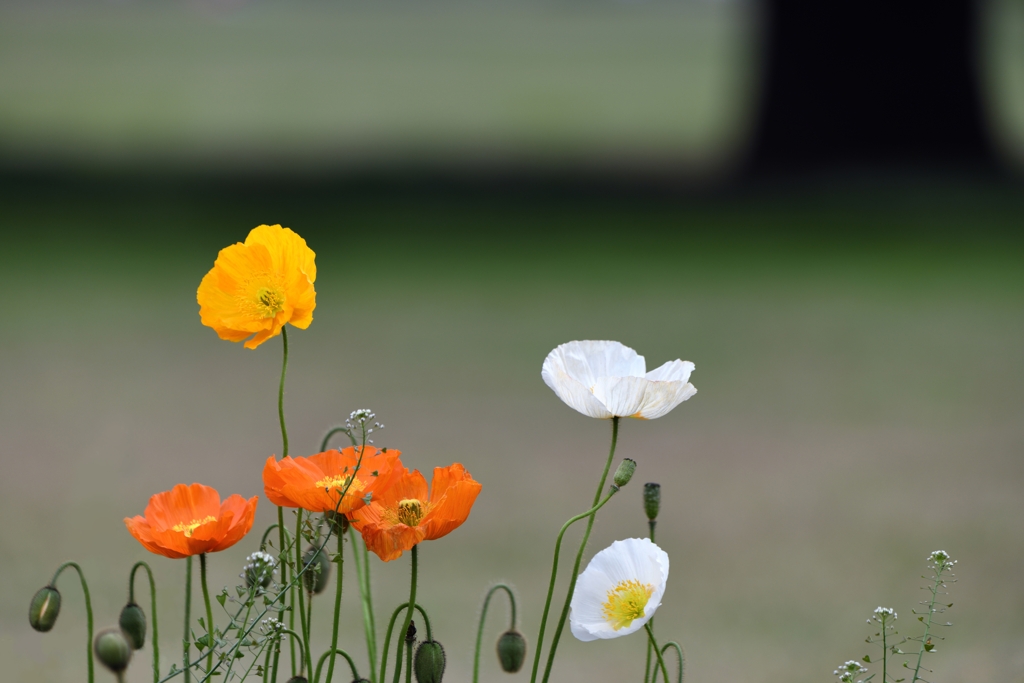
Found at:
(255, 287)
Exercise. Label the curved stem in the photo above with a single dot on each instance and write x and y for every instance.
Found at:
(579, 556)
(363, 576)
(408, 613)
(319, 664)
(88, 610)
(297, 638)
(337, 605)
(266, 535)
(188, 617)
(391, 628)
(554, 575)
(657, 651)
(331, 432)
(480, 628)
(280, 391)
(210, 636)
(680, 654)
(307, 662)
(152, 595)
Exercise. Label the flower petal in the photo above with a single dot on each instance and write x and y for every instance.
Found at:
(662, 397)
(672, 371)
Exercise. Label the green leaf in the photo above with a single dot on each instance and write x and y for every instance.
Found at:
(221, 598)
(867, 659)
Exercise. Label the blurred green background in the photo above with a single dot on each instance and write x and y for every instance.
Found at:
(858, 342)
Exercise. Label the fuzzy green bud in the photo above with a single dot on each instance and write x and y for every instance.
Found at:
(625, 472)
(316, 576)
(297, 679)
(112, 649)
(511, 651)
(44, 608)
(429, 662)
(652, 500)
(133, 623)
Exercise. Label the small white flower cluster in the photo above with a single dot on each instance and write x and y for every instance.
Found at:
(882, 614)
(940, 560)
(259, 569)
(271, 625)
(849, 671)
(362, 416)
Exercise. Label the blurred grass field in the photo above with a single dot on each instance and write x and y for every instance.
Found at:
(858, 406)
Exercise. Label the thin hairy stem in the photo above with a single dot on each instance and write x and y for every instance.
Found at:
(363, 576)
(409, 610)
(188, 617)
(657, 651)
(391, 628)
(934, 588)
(331, 432)
(280, 392)
(680, 654)
(152, 597)
(280, 510)
(480, 628)
(647, 665)
(337, 604)
(307, 662)
(210, 636)
(408, 660)
(88, 611)
(554, 576)
(579, 557)
(351, 664)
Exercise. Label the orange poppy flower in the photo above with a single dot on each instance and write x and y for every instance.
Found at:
(189, 520)
(314, 483)
(406, 513)
(256, 287)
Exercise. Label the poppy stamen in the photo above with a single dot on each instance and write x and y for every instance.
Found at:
(410, 512)
(190, 527)
(626, 602)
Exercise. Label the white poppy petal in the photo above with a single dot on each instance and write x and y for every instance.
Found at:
(622, 396)
(672, 371)
(572, 392)
(662, 397)
(631, 564)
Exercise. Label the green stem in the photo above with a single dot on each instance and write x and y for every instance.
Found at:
(210, 636)
(188, 617)
(280, 392)
(152, 595)
(480, 628)
(391, 628)
(280, 510)
(369, 630)
(657, 651)
(331, 432)
(266, 535)
(647, 665)
(307, 662)
(297, 638)
(409, 611)
(88, 610)
(408, 660)
(554, 576)
(337, 605)
(579, 557)
(320, 664)
(680, 654)
(885, 652)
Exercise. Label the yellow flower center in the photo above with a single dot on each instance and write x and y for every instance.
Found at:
(339, 482)
(188, 528)
(626, 602)
(262, 296)
(410, 512)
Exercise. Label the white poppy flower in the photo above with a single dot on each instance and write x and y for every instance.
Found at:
(619, 590)
(606, 379)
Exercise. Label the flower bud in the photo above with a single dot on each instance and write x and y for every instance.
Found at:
(429, 662)
(297, 679)
(44, 608)
(133, 623)
(259, 569)
(511, 651)
(316, 576)
(112, 649)
(625, 472)
(652, 500)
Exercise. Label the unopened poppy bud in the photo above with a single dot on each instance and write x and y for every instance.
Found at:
(316, 575)
(652, 500)
(133, 623)
(625, 472)
(360, 680)
(297, 679)
(259, 569)
(112, 649)
(337, 521)
(511, 651)
(45, 606)
(429, 663)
